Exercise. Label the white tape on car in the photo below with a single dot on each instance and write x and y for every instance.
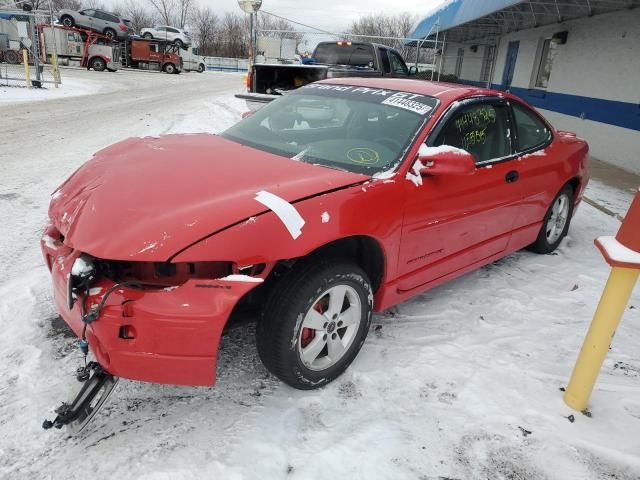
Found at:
(284, 210)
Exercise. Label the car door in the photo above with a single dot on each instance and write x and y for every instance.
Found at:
(86, 19)
(539, 169)
(398, 67)
(385, 63)
(172, 34)
(454, 222)
(99, 21)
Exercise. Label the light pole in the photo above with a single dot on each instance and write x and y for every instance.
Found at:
(251, 7)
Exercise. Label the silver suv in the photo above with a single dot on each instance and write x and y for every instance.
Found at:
(99, 21)
(175, 35)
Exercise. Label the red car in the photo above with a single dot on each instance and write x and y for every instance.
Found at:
(338, 199)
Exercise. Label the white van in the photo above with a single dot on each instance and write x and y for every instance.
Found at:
(191, 60)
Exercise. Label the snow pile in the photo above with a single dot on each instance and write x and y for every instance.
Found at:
(425, 151)
(70, 87)
(414, 175)
(81, 267)
(619, 252)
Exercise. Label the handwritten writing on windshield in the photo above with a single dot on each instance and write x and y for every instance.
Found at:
(473, 125)
(477, 118)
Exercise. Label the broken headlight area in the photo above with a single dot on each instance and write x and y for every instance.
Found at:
(87, 271)
(159, 275)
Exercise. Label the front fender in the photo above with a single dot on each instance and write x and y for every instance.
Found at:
(373, 209)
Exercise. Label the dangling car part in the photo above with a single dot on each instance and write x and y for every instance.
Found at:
(98, 384)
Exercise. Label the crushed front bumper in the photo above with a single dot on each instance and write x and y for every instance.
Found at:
(165, 336)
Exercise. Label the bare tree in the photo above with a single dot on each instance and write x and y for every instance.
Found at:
(98, 4)
(283, 28)
(165, 9)
(394, 29)
(205, 26)
(232, 38)
(183, 12)
(141, 15)
(57, 5)
(173, 12)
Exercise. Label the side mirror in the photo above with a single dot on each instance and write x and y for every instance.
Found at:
(445, 160)
(413, 70)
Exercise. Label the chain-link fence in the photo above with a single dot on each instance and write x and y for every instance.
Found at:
(22, 61)
(280, 46)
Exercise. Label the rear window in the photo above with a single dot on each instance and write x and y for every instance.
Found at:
(345, 53)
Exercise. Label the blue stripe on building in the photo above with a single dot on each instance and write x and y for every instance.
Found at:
(611, 112)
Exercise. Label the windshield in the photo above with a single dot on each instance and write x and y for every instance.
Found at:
(358, 129)
(345, 53)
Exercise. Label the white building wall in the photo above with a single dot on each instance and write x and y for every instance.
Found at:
(600, 60)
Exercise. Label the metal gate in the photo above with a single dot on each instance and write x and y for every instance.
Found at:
(22, 63)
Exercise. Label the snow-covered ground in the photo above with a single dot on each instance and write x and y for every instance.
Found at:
(461, 382)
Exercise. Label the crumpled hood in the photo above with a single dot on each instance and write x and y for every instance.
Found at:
(144, 199)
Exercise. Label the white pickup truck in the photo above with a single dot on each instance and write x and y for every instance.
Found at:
(191, 60)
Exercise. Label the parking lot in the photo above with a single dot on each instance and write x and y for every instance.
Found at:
(461, 382)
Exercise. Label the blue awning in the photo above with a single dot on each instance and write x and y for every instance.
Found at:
(458, 12)
(470, 19)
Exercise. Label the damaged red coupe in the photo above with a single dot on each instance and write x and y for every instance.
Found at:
(338, 199)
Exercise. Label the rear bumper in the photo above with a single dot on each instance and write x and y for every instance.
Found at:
(166, 336)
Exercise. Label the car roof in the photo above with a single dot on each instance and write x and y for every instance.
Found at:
(446, 92)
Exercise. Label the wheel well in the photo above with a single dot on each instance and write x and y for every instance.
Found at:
(575, 184)
(366, 251)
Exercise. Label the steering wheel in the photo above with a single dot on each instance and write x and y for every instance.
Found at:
(391, 143)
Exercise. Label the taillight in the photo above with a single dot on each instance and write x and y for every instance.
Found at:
(249, 80)
(123, 27)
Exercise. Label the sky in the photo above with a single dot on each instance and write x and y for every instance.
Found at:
(331, 15)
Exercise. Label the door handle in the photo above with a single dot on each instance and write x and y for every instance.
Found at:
(512, 176)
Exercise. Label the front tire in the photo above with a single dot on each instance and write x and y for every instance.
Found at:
(147, 35)
(315, 323)
(67, 21)
(110, 33)
(98, 64)
(178, 43)
(170, 68)
(201, 68)
(556, 222)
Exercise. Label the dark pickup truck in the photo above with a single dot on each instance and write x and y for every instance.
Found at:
(339, 59)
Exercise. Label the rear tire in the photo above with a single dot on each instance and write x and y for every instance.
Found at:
(201, 68)
(555, 224)
(178, 43)
(98, 64)
(67, 21)
(315, 322)
(147, 35)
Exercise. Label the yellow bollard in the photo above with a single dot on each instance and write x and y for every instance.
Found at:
(27, 73)
(623, 254)
(54, 68)
(596, 345)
